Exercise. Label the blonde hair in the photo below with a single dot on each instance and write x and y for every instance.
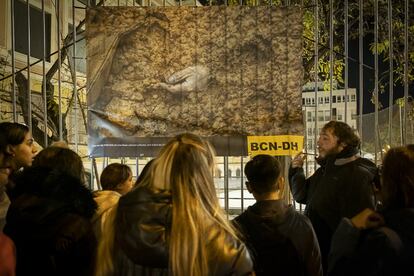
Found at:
(104, 264)
(185, 167)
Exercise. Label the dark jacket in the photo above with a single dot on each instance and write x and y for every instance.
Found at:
(143, 224)
(49, 223)
(384, 251)
(333, 192)
(281, 240)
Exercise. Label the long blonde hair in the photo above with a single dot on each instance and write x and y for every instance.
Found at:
(185, 166)
(104, 264)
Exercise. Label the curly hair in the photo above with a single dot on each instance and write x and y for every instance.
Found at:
(344, 133)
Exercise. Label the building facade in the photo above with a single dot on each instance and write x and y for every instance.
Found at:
(321, 107)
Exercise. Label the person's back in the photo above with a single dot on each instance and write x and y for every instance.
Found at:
(381, 243)
(116, 180)
(151, 210)
(49, 220)
(402, 223)
(171, 223)
(281, 240)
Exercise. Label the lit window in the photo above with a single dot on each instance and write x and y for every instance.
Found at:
(327, 115)
(320, 116)
(309, 116)
(353, 98)
(238, 173)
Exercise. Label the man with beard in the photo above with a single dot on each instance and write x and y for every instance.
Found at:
(340, 187)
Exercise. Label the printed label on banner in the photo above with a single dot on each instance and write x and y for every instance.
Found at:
(275, 145)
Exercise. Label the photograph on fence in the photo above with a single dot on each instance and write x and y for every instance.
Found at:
(222, 72)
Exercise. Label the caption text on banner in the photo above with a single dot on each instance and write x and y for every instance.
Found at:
(275, 145)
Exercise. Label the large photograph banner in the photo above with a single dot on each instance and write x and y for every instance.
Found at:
(224, 73)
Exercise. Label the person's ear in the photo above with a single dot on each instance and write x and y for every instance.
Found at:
(248, 187)
(10, 150)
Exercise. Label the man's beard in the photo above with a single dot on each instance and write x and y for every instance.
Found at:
(331, 153)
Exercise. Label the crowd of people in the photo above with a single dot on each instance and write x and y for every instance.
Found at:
(170, 222)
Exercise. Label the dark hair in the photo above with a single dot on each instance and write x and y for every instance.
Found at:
(61, 159)
(113, 175)
(398, 177)
(144, 172)
(344, 133)
(262, 173)
(14, 133)
(3, 143)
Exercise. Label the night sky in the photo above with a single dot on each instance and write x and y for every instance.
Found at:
(369, 76)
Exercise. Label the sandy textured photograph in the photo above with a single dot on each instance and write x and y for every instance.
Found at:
(214, 71)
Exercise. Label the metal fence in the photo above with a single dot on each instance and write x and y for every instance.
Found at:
(358, 69)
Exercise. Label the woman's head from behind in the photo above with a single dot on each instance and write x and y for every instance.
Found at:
(185, 167)
(19, 144)
(117, 177)
(398, 177)
(61, 159)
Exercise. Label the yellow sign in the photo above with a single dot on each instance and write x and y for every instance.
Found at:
(275, 145)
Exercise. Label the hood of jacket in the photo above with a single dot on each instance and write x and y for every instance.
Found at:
(368, 165)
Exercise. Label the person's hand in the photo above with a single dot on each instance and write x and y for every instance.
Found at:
(367, 219)
(189, 79)
(298, 160)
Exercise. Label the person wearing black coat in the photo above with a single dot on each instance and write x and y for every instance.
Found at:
(171, 223)
(281, 240)
(50, 218)
(341, 187)
(380, 243)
